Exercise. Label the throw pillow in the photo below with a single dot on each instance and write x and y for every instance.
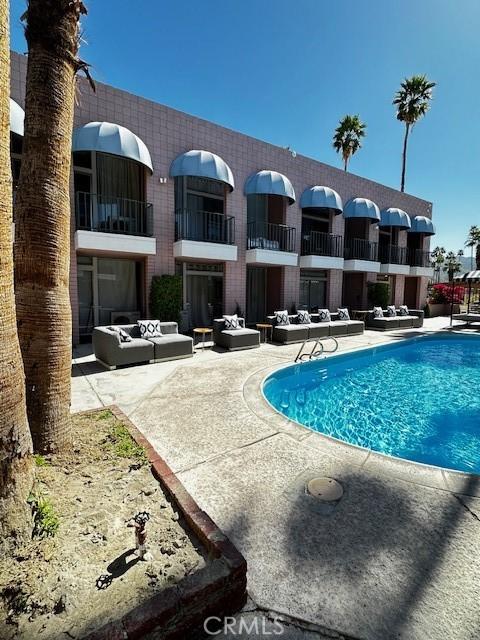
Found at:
(391, 311)
(231, 322)
(281, 318)
(324, 315)
(150, 328)
(343, 314)
(124, 336)
(403, 310)
(378, 312)
(303, 317)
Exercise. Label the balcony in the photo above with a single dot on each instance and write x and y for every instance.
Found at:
(393, 260)
(271, 244)
(204, 235)
(321, 251)
(420, 263)
(109, 223)
(361, 255)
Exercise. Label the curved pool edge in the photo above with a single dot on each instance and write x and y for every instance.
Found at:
(420, 473)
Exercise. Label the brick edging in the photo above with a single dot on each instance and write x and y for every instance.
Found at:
(229, 593)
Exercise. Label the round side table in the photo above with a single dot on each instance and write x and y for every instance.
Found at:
(203, 331)
(263, 327)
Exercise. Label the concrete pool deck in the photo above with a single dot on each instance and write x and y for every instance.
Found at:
(397, 557)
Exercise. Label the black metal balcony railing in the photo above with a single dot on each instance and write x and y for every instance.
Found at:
(267, 235)
(95, 212)
(419, 258)
(392, 254)
(359, 249)
(318, 243)
(204, 226)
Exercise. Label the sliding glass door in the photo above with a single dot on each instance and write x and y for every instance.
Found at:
(109, 291)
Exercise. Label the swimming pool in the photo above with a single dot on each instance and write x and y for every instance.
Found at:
(417, 399)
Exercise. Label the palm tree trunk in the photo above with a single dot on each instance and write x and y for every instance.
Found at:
(477, 256)
(16, 462)
(345, 163)
(42, 247)
(404, 156)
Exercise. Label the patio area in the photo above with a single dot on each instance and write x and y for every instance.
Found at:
(397, 557)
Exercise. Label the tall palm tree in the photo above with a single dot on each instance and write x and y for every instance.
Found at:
(412, 102)
(16, 462)
(473, 241)
(438, 259)
(42, 206)
(347, 139)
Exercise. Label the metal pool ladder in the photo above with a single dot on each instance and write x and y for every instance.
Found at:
(317, 350)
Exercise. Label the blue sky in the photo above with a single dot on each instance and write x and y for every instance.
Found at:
(285, 71)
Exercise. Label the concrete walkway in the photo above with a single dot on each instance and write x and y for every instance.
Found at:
(396, 558)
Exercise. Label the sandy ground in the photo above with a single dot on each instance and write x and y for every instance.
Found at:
(50, 590)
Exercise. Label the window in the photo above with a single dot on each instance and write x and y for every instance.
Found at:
(199, 194)
(313, 289)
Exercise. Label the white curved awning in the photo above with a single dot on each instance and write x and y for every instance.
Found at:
(107, 137)
(421, 224)
(362, 208)
(393, 217)
(203, 164)
(17, 118)
(270, 183)
(321, 198)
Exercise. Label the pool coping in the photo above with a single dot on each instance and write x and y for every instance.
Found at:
(419, 473)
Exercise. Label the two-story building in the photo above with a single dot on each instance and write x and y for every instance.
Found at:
(246, 224)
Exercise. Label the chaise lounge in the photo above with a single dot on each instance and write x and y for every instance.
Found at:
(297, 331)
(234, 339)
(412, 318)
(112, 350)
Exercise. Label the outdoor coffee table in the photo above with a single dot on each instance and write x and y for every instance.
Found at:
(263, 328)
(359, 314)
(203, 331)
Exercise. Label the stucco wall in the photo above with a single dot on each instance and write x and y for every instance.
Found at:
(168, 132)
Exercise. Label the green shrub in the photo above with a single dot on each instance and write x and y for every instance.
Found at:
(378, 294)
(123, 445)
(40, 461)
(45, 520)
(166, 298)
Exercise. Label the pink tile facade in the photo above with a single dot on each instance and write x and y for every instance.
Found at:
(168, 133)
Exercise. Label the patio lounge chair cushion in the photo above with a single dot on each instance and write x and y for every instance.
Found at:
(303, 317)
(403, 310)
(235, 339)
(318, 329)
(391, 311)
(281, 318)
(290, 333)
(171, 346)
(355, 326)
(231, 322)
(149, 328)
(338, 328)
(343, 314)
(377, 312)
(324, 315)
(386, 323)
(240, 332)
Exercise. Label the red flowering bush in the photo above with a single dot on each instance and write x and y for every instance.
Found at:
(442, 294)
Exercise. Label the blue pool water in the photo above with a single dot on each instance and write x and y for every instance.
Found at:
(418, 400)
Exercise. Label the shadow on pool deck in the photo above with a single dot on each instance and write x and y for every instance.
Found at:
(376, 567)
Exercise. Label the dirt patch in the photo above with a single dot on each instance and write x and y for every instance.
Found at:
(87, 573)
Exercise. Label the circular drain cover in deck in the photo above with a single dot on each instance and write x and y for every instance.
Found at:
(325, 489)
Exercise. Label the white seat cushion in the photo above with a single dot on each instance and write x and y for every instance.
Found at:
(239, 332)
